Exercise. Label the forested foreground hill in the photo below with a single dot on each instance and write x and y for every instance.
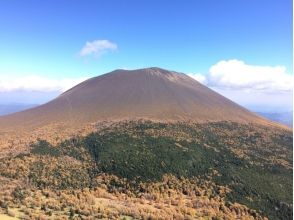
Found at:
(147, 170)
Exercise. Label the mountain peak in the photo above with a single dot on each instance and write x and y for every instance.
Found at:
(150, 72)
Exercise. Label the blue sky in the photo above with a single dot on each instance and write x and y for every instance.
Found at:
(45, 38)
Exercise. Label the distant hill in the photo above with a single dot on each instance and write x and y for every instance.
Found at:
(285, 118)
(6, 109)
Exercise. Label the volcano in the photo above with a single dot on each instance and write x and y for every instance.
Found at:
(151, 94)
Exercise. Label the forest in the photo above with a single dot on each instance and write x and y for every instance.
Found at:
(237, 175)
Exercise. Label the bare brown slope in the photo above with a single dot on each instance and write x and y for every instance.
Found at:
(151, 93)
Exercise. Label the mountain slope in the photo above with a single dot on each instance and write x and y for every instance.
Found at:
(216, 169)
(150, 93)
(107, 149)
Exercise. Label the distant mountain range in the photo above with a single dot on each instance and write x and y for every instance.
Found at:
(285, 118)
(6, 109)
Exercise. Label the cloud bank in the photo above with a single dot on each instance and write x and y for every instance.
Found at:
(237, 75)
(37, 83)
(97, 48)
(260, 88)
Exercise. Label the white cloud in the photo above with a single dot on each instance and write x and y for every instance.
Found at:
(38, 83)
(97, 47)
(258, 100)
(236, 74)
(199, 77)
(256, 87)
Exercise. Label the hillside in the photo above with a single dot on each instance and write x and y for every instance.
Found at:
(147, 170)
